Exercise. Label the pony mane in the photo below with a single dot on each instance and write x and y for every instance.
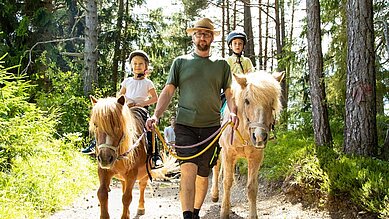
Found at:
(115, 120)
(261, 87)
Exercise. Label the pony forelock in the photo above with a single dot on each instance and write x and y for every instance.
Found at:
(261, 87)
(113, 119)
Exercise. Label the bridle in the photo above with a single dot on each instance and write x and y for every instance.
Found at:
(257, 125)
(115, 149)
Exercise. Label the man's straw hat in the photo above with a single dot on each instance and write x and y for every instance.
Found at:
(203, 24)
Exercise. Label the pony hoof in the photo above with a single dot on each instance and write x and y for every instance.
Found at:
(141, 211)
(215, 199)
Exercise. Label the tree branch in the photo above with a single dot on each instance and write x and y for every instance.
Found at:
(44, 42)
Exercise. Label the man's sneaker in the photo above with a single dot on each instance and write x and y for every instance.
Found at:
(90, 149)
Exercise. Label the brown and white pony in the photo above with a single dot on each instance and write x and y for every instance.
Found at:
(257, 96)
(121, 151)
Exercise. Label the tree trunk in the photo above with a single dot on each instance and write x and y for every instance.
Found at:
(360, 135)
(234, 21)
(228, 16)
(260, 55)
(321, 126)
(248, 29)
(280, 64)
(223, 31)
(124, 51)
(385, 147)
(265, 58)
(72, 14)
(91, 54)
(117, 50)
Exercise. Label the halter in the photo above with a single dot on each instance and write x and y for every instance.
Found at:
(115, 149)
(255, 125)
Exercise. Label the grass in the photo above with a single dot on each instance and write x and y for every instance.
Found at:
(42, 184)
(327, 172)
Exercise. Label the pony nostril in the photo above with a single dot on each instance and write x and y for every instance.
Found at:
(254, 139)
(99, 158)
(111, 159)
(264, 136)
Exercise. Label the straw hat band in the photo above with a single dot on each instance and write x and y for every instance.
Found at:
(203, 24)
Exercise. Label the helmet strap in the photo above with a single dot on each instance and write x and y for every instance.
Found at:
(239, 61)
(139, 76)
(238, 54)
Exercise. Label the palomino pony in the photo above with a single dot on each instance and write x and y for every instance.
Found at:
(257, 96)
(121, 151)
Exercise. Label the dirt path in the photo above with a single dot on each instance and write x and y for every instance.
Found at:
(162, 202)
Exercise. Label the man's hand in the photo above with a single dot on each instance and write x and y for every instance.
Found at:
(234, 118)
(150, 122)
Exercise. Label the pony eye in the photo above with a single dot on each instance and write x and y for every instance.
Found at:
(246, 101)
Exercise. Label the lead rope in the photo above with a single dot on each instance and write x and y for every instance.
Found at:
(217, 133)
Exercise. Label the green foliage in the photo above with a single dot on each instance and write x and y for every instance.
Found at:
(364, 180)
(192, 8)
(323, 172)
(38, 174)
(61, 92)
(45, 182)
(23, 125)
(282, 153)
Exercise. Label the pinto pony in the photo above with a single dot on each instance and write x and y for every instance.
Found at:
(121, 151)
(257, 96)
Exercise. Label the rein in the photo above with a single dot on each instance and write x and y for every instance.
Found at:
(217, 134)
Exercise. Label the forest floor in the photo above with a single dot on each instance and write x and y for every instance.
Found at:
(162, 202)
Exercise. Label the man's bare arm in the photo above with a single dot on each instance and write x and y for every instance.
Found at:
(162, 104)
(232, 107)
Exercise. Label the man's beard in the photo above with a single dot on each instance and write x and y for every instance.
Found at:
(202, 47)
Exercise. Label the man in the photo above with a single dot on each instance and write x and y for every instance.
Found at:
(168, 132)
(199, 78)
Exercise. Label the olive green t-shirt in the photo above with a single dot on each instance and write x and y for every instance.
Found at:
(199, 82)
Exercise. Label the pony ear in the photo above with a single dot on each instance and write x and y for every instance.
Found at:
(279, 76)
(121, 100)
(93, 99)
(242, 81)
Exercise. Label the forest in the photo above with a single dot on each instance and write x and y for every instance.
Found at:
(332, 136)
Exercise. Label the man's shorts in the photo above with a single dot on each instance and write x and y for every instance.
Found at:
(187, 136)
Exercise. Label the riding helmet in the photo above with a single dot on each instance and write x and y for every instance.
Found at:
(139, 53)
(236, 34)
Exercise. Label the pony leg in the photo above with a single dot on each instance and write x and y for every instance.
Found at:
(254, 163)
(228, 177)
(123, 185)
(127, 196)
(215, 181)
(102, 192)
(142, 188)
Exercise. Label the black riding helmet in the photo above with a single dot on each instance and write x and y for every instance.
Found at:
(236, 34)
(139, 53)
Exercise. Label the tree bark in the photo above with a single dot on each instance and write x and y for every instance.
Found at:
(385, 147)
(260, 54)
(360, 135)
(223, 26)
(321, 126)
(91, 54)
(118, 41)
(265, 58)
(248, 29)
